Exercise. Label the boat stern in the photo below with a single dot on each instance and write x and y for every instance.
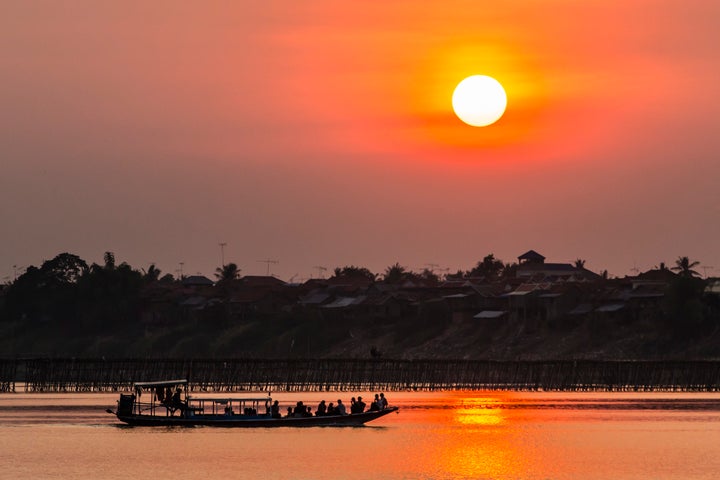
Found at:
(125, 405)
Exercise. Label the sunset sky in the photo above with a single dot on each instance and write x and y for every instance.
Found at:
(321, 133)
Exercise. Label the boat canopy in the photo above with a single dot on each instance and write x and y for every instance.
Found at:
(164, 383)
(234, 399)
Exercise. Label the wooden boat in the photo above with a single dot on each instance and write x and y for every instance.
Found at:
(171, 405)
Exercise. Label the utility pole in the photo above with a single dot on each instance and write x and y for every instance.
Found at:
(268, 262)
(222, 253)
(432, 266)
(705, 269)
(181, 269)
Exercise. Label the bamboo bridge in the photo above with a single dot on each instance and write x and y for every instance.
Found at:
(234, 375)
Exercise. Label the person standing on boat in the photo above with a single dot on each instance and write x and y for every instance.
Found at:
(340, 408)
(160, 394)
(176, 398)
(176, 402)
(359, 405)
(383, 402)
(168, 395)
(275, 410)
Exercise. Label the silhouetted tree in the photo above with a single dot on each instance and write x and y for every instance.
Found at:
(152, 274)
(109, 258)
(509, 270)
(65, 268)
(353, 271)
(110, 295)
(459, 275)
(579, 263)
(227, 273)
(684, 303)
(429, 277)
(47, 293)
(684, 267)
(395, 274)
(490, 268)
(167, 278)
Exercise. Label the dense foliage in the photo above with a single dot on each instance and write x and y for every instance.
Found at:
(67, 307)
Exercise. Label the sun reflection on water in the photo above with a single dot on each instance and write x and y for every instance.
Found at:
(479, 440)
(480, 411)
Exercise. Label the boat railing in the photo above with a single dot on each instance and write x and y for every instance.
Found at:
(154, 408)
(191, 406)
(249, 407)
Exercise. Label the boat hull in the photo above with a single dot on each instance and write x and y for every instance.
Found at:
(240, 421)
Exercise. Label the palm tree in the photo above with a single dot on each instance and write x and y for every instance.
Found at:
(152, 274)
(109, 258)
(394, 274)
(579, 263)
(227, 273)
(684, 267)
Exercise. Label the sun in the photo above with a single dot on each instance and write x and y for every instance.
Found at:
(479, 100)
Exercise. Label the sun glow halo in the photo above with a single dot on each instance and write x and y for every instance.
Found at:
(479, 100)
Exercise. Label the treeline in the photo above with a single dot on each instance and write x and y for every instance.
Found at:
(66, 307)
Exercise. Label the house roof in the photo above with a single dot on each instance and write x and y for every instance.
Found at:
(344, 302)
(531, 255)
(610, 307)
(647, 291)
(550, 295)
(457, 295)
(713, 286)
(250, 295)
(197, 281)
(526, 288)
(261, 281)
(490, 314)
(657, 274)
(581, 309)
(315, 298)
(547, 267)
(195, 301)
(556, 271)
(377, 300)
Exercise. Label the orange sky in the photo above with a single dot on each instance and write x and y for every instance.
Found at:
(321, 133)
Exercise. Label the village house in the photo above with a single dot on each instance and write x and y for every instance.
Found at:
(531, 265)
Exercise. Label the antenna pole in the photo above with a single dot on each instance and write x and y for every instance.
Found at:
(268, 262)
(222, 253)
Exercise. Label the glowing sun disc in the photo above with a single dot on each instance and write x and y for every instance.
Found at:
(479, 100)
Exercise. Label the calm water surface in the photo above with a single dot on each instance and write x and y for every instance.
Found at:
(457, 435)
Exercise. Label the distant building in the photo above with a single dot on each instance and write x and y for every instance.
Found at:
(713, 286)
(261, 281)
(530, 257)
(531, 265)
(197, 281)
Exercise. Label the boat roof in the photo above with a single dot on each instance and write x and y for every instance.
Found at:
(163, 383)
(232, 399)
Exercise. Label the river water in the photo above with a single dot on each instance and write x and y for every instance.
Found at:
(448, 435)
